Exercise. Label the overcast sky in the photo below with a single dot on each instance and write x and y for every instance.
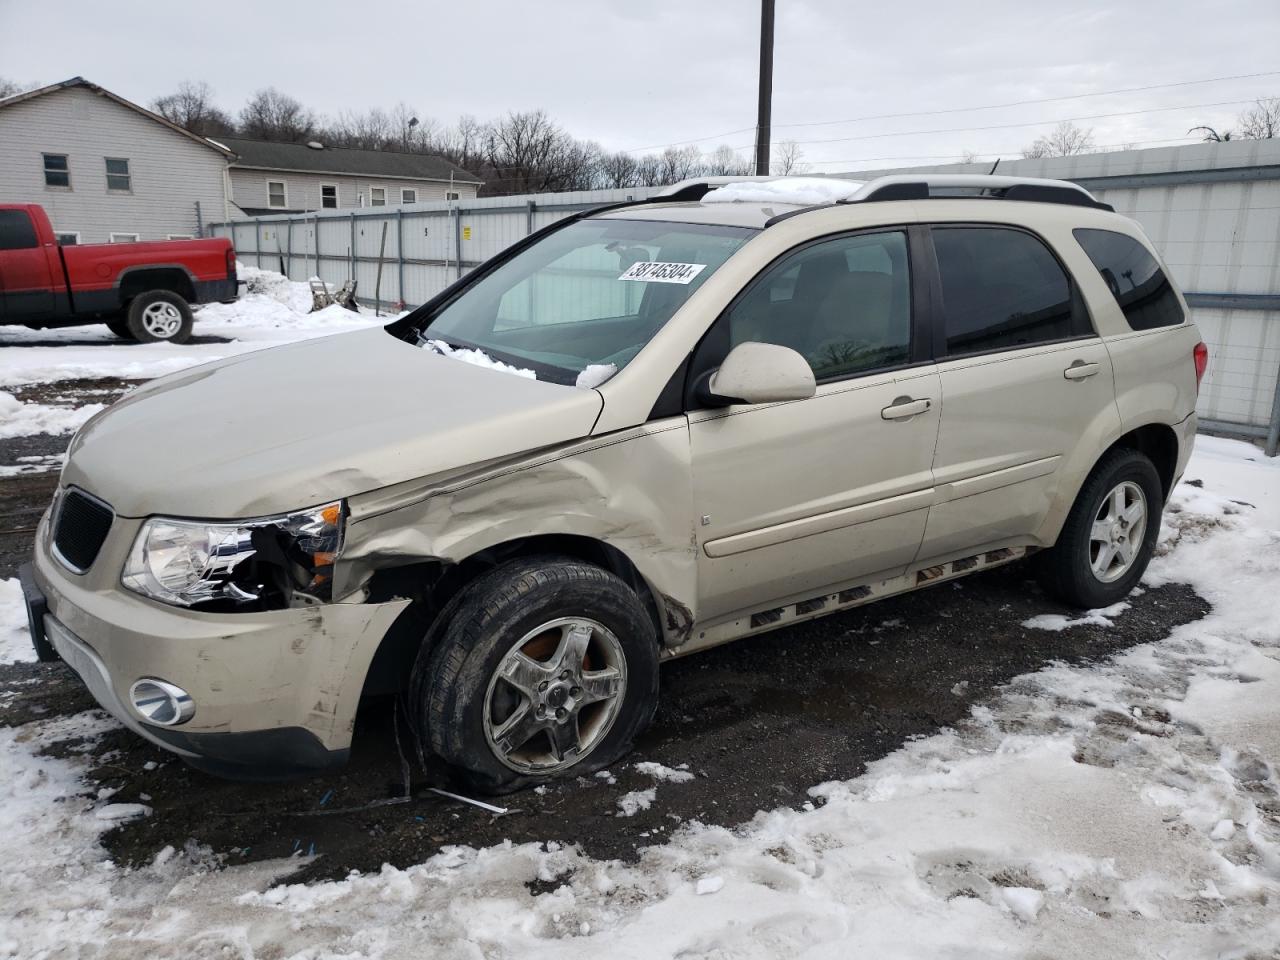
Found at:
(640, 73)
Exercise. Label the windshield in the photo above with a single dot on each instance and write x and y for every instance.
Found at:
(590, 295)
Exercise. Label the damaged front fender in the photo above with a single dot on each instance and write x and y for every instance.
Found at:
(630, 490)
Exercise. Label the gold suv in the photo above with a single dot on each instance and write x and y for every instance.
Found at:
(643, 431)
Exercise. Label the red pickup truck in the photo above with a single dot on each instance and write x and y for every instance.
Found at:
(139, 290)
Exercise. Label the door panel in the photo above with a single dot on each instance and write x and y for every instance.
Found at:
(26, 283)
(803, 495)
(1009, 423)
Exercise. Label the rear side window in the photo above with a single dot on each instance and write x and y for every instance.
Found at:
(1002, 289)
(16, 231)
(1136, 281)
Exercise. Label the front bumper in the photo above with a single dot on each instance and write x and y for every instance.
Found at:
(276, 692)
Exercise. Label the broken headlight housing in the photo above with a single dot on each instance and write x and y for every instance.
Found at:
(262, 564)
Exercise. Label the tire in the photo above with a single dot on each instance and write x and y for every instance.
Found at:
(488, 723)
(120, 328)
(159, 316)
(1076, 570)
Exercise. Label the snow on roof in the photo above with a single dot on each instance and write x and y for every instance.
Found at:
(799, 190)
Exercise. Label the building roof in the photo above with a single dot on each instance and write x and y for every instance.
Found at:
(299, 157)
(103, 92)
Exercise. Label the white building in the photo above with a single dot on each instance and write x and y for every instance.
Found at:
(106, 169)
(270, 177)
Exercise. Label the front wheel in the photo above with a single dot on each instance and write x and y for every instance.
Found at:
(1109, 536)
(159, 316)
(540, 669)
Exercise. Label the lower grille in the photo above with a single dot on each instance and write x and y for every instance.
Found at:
(80, 529)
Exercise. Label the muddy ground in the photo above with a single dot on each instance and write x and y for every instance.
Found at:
(758, 722)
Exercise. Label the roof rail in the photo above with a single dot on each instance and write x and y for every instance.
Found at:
(695, 188)
(935, 186)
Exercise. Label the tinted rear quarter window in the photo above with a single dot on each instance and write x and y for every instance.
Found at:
(1002, 289)
(1140, 287)
(16, 230)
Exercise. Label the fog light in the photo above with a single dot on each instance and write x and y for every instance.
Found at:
(162, 703)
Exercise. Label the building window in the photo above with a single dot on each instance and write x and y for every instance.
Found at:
(377, 196)
(408, 195)
(450, 195)
(124, 238)
(68, 238)
(118, 174)
(277, 196)
(180, 236)
(329, 195)
(56, 171)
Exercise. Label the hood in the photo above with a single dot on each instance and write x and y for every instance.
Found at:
(302, 424)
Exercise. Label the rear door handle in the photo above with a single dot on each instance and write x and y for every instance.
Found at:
(904, 407)
(1080, 370)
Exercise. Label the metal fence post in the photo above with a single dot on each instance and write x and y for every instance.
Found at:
(288, 261)
(316, 225)
(351, 251)
(528, 218)
(257, 240)
(457, 239)
(1273, 433)
(400, 255)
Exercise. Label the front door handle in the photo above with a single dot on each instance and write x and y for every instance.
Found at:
(1080, 370)
(903, 408)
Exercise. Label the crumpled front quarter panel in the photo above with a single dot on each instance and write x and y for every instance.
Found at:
(630, 489)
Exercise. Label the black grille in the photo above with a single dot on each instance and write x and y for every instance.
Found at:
(82, 527)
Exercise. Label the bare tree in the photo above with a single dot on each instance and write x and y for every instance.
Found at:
(1213, 136)
(272, 115)
(649, 171)
(1261, 121)
(8, 87)
(618, 169)
(1066, 140)
(788, 159)
(191, 107)
(463, 143)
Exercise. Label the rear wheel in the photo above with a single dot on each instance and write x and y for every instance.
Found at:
(1109, 536)
(159, 316)
(540, 669)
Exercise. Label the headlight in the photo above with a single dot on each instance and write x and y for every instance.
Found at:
(264, 563)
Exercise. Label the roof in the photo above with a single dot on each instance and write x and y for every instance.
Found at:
(103, 92)
(271, 155)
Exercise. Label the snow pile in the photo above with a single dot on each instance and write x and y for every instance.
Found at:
(662, 773)
(477, 357)
(804, 191)
(15, 641)
(629, 804)
(278, 312)
(1123, 809)
(18, 419)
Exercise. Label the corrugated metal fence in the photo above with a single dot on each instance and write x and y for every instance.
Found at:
(1213, 210)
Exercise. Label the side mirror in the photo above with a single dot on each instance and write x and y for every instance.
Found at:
(760, 373)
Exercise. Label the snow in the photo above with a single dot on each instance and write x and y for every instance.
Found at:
(629, 804)
(798, 190)
(18, 419)
(272, 312)
(15, 641)
(594, 374)
(477, 357)
(1119, 809)
(1057, 622)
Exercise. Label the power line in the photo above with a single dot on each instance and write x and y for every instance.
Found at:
(988, 106)
(1028, 123)
(979, 156)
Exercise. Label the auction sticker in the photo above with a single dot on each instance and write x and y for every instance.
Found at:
(657, 271)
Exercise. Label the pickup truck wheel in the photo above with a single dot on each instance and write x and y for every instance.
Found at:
(1109, 536)
(544, 668)
(159, 316)
(120, 328)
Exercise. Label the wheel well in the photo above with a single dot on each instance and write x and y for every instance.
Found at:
(1160, 445)
(431, 584)
(163, 278)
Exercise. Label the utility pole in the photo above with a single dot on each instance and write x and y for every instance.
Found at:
(763, 132)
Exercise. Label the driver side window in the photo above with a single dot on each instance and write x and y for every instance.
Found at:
(842, 304)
